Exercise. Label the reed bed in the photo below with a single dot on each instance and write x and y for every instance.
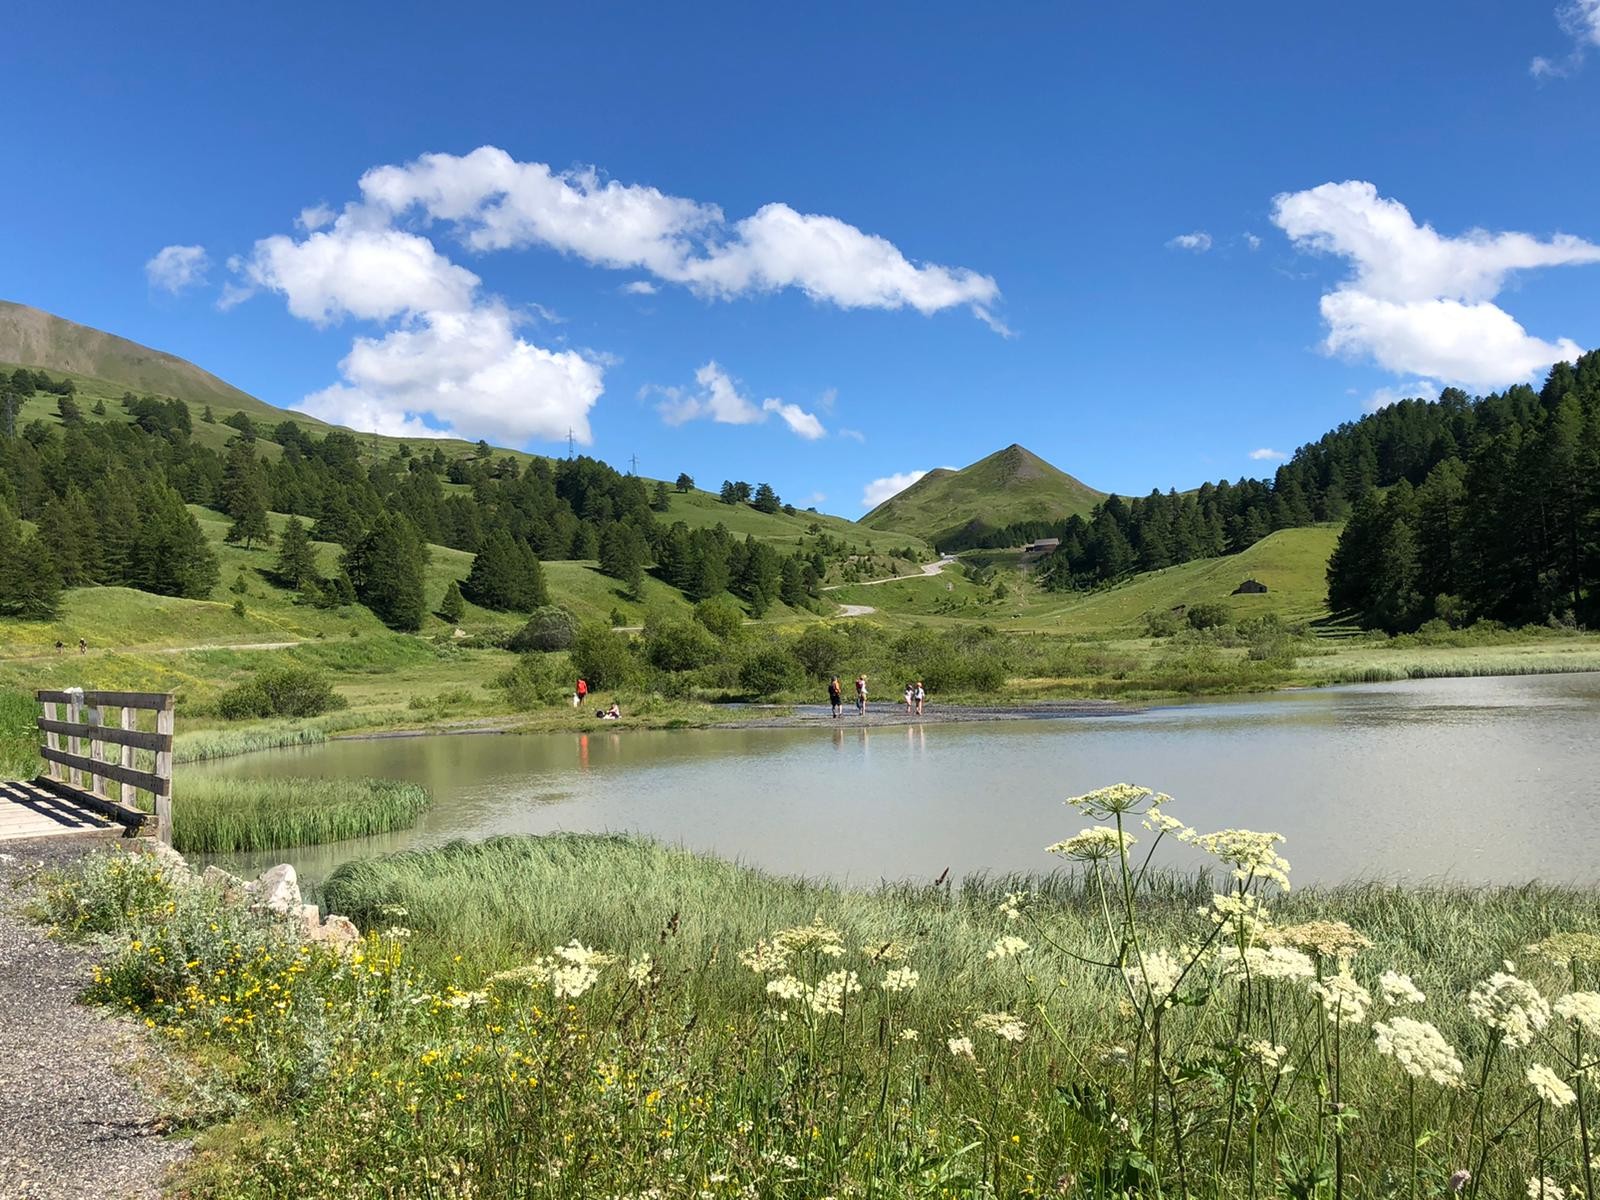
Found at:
(226, 815)
(19, 737)
(606, 1017)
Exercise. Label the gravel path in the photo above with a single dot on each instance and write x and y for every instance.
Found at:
(74, 1122)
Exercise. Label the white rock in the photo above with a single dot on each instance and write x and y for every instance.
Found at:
(337, 931)
(277, 889)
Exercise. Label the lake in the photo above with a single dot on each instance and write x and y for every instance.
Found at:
(1472, 780)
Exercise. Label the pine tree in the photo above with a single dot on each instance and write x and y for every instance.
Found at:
(452, 608)
(208, 416)
(729, 494)
(169, 554)
(685, 482)
(386, 570)
(30, 588)
(297, 557)
(505, 575)
(244, 497)
(660, 500)
(766, 500)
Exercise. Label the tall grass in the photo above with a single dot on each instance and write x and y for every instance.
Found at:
(224, 815)
(603, 1016)
(19, 737)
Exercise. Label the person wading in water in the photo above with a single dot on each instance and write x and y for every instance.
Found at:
(861, 695)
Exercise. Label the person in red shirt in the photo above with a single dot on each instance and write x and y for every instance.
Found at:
(581, 691)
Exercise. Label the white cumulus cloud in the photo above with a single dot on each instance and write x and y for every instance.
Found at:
(716, 397)
(176, 268)
(1266, 455)
(879, 490)
(1418, 302)
(639, 287)
(1197, 242)
(496, 202)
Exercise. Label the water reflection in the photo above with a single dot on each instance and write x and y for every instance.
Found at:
(1487, 779)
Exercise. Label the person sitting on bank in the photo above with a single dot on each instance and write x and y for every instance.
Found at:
(614, 713)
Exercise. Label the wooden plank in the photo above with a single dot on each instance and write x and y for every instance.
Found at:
(74, 745)
(131, 818)
(94, 747)
(152, 700)
(164, 720)
(77, 763)
(128, 716)
(51, 741)
(139, 739)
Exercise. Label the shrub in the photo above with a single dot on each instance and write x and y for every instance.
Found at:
(1161, 624)
(280, 692)
(820, 651)
(549, 628)
(603, 657)
(721, 615)
(768, 671)
(1209, 616)
(535, 680)
(679, 645)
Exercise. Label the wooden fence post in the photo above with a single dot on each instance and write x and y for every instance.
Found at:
(128, 798)
(164, 769)
(53, 739)
(74, 745)
(96, 748)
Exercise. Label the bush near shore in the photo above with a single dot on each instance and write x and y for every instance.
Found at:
(592, 1016)
(222, 815)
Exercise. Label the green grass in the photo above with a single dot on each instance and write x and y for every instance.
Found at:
(1008, 486)
(19, 736)
(222, 815)
(444, 1050)
(701, 509)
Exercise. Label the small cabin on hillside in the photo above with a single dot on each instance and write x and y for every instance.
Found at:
(1250, 587)
(1044, 546)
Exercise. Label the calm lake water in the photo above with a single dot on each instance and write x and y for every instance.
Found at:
(1476, 780)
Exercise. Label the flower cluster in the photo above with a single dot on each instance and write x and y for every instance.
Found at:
(1003, 1025)
(1397, 989)
(1509, 1006)
(1154, 976)
(1093, 844)
(1265, 962)
(1253, 856)
(1550, 1087)
(1006, 946)
(1343, 999)
(1420, 1049)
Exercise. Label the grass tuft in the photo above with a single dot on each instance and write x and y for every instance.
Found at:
(225, 816)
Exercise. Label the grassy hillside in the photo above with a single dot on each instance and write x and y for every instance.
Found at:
(1292, 563)
(1010, 485)
(104, 366)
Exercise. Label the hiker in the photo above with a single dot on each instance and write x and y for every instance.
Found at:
(920, 695)
(835, 696)
(83, 646)
(861, 695)
(580, 692)
(911, 694)
(60, 645)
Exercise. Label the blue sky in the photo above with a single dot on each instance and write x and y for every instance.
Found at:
(821, 247)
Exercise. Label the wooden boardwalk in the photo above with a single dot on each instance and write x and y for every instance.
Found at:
(30, 810)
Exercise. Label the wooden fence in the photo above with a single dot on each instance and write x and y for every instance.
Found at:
(102, 722)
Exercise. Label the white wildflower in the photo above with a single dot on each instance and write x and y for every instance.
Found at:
(817, 937)
(1007, 946)
(1118, 798)
(1157, 821)
(764, 957)
(829, 994)
(1253, 856)
(1268, 1055)
(786, 987)
(1244, 912)
(1420, 1049)
(1510, 1006)
(1343, 999)
(961, 1047)
(466, 1000)
(640, 969)
(1092, 844)
(1582, 1009)
(1270, 962)
(1397, 989)
(571, 981)
(908, 1035)
(901, 979)
(579, 955)
(1011, 906)
(1549, 1086)
(397, 933)
(1542, 1187)
(1003, 1025)
(1154, 976)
